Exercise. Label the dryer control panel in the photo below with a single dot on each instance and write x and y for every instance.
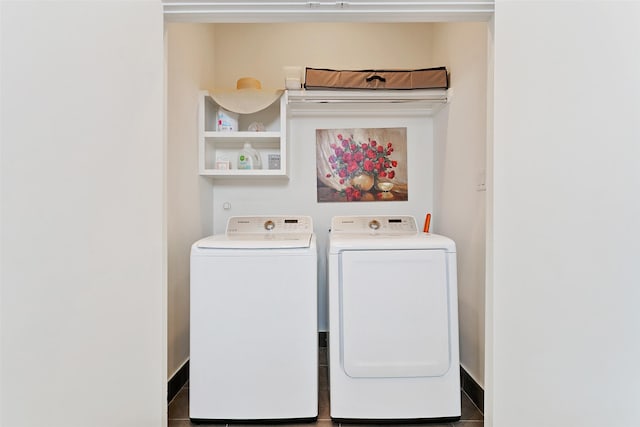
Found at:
(402, 224)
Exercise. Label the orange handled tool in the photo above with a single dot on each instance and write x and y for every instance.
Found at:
(427, 223)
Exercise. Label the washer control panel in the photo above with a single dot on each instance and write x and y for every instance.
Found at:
(269, 224)
(403, 224)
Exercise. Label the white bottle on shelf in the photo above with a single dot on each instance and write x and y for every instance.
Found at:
(249, 158)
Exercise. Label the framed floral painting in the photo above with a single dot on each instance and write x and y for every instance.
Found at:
(361, 165)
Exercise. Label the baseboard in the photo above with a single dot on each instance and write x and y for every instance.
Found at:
(177, 381)
(472, 388)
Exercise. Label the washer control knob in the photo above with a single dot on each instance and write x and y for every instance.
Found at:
(269, 225)
(374, 224)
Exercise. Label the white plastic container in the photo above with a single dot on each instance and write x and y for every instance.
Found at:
(226, 121)
(249, 158)
(292, 77)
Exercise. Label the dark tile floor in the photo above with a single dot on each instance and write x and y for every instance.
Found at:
(179, 408)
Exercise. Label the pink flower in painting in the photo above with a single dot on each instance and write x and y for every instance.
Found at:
(351, 167)
(368, 165)
(352, 194)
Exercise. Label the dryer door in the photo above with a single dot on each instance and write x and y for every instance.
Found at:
(394, 313)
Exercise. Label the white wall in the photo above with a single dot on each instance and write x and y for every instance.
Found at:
(460, 174)
(189, 197)
(564, 345)
(83, 287)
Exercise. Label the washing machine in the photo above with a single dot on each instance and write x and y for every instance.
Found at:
(254, 327)
(393, 321)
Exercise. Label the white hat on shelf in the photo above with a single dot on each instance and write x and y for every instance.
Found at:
(247, 98)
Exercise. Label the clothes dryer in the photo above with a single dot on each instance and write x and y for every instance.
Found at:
(393, 321)
(254, 339)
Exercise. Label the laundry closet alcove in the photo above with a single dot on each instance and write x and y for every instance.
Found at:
(445, 142)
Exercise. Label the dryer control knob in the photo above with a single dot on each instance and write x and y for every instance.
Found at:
(269, 225)
(374, 225)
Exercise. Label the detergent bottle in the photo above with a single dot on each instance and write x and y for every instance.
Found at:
(249, 158)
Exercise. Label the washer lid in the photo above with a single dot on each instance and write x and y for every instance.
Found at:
(263, 232)
(256, 241)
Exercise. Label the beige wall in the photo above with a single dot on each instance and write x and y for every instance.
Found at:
(189, 197)
(261, 50)
(460, 170)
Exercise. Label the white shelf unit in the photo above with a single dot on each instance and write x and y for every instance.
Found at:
(221, 145)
